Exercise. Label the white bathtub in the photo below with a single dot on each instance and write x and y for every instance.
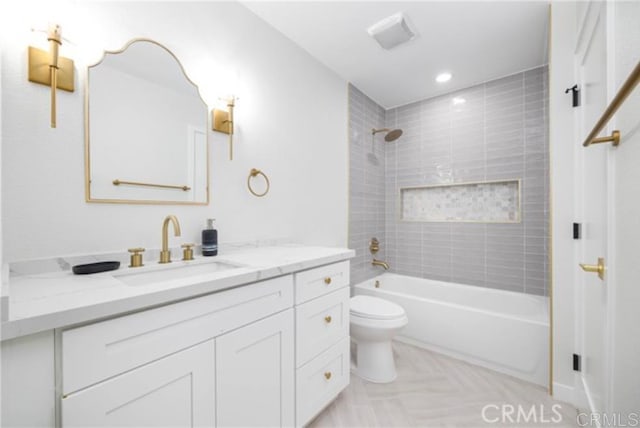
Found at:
(501, 330)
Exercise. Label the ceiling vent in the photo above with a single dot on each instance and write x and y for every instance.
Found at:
(392, 31)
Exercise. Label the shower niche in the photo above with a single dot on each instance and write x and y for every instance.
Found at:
(476, 202)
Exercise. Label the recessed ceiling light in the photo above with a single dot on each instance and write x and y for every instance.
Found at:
(458, 100)
(443, 77)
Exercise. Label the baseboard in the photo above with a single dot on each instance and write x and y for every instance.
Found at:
(570, 394)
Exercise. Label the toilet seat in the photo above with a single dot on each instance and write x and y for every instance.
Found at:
(370, 307)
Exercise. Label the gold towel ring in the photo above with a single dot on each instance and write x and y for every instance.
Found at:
(252, 174)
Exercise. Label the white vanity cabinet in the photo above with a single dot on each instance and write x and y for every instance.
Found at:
(268, 353)
(322, 338)
(178, 390)
(225, 359)
(255, 374)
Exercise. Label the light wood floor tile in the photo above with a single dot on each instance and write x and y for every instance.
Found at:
(434, 390)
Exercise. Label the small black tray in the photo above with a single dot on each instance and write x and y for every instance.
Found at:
(95, 267)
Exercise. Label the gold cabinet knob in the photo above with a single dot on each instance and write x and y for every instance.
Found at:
(599, 268)
(327, 375)
(187, 251)
(327, 319)
(327, 280)
(136, 257)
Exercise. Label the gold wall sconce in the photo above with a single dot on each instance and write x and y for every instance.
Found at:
(48, 68)
(222, 121)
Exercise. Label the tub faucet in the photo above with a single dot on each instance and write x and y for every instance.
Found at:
(165, 254)
(380, 263)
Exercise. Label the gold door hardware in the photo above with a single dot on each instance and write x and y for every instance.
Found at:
(253, 173)
(49, 68)
(377, 284)
(327, 319)
(118, 182)
(622, 94)
(187, 251)
(599, 268)
(136, 257)
(327, 280)
(614, 138)
(222, 121)
(374, 245)
(165, 254)
(327, 375)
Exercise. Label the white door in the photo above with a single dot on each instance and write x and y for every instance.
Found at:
(255, 374)
(625, 398)
(177, 391)
(593, 200)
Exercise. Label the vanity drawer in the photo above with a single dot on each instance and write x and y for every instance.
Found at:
(98, 351)
(320, 380)
(322, 280)
(321, 323)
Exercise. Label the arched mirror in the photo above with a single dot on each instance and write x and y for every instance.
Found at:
(145, 128)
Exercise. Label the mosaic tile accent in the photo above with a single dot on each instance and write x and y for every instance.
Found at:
(482, 202)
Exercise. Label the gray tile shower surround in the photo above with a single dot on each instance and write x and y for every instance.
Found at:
(498, 132)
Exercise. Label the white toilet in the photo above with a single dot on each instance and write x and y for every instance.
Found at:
(374, 322)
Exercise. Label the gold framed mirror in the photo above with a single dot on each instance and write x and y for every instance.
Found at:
(146, 137)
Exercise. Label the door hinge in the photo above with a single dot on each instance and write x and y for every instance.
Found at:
(575, 95)
(577, 230)
(577, 363)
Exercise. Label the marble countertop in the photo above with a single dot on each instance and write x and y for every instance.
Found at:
(42, 298)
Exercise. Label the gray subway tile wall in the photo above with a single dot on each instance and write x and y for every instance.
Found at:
(498, 132)
(366, 183)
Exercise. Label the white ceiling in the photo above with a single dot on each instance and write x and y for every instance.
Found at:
(476, 41)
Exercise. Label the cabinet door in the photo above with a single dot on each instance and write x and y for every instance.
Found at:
(255, 374)
(178, 390)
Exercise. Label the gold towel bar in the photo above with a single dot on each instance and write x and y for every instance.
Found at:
(254, 172)
(117, 182)
(624, 91)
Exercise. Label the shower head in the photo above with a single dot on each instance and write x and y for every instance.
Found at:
(391, 134)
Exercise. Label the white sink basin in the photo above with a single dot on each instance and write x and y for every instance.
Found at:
(173, 272)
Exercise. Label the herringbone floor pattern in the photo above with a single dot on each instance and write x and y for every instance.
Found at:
(433, 390)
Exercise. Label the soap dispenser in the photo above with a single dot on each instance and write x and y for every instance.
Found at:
(210, 239)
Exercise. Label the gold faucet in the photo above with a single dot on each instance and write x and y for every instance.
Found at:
(165, 254)
(380, 263)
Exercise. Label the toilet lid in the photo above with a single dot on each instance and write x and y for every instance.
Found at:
(375, 308)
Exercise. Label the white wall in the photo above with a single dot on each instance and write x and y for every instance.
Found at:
(291, 122)
(561, 147)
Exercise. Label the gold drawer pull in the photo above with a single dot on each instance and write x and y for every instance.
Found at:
(327, 280)
(327, 375)
(327, 319)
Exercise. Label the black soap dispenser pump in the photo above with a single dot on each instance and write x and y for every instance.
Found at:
(210, 240)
